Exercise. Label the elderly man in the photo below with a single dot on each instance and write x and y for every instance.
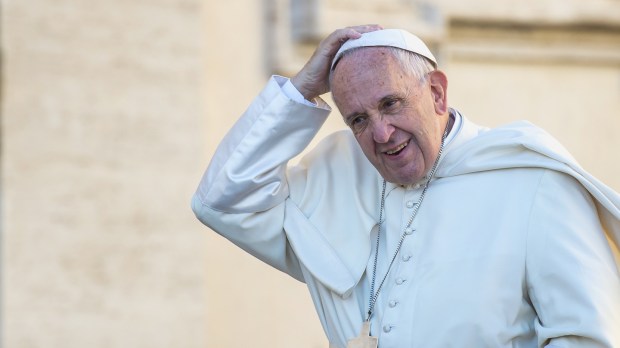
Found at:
(416, 228)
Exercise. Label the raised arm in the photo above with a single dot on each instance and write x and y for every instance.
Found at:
(313, 79)
(242, 193)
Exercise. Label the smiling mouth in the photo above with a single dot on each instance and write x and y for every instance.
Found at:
(397, 150)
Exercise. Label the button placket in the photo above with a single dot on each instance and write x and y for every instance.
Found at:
(401, 277)
(387, 328)
(392, 314)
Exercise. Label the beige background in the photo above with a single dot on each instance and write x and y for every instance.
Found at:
(110, 111)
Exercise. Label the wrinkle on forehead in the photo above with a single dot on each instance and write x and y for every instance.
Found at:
(355, 63)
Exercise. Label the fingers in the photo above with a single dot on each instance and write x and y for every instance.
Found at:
(330, 45)
(340, 36)
(313, 79)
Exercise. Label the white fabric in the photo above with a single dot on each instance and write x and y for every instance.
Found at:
(508, 248)
(291, 92)
(387, 37)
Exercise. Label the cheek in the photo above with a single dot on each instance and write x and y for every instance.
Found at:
(366, 143)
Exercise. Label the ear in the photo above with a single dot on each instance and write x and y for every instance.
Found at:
(439, 89)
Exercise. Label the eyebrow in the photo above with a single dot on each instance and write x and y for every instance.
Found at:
(352, 115)
(383, 99)
(389, 97)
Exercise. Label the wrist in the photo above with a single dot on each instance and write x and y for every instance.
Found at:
(293, 93)
(305, 92)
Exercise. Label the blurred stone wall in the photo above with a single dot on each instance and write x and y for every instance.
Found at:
(101, 130)
(111, 111)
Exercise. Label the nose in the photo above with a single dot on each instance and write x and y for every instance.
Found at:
(382, 130)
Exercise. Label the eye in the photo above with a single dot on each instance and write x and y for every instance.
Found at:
(390, 104)
(357, 122)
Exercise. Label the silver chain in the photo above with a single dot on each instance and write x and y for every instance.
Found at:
(374, 295)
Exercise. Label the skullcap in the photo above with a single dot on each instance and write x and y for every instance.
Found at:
(387, 37)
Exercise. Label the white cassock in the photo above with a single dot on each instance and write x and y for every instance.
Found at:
(508, 248)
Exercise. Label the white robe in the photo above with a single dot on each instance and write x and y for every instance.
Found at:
(509, 248)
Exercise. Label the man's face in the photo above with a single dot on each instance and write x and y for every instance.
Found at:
(397, 119)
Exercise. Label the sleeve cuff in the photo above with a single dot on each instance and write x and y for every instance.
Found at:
(290, 91)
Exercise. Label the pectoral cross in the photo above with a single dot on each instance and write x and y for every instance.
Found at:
(364, 340)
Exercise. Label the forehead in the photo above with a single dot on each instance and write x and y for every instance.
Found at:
(368, 57)
(366, 70)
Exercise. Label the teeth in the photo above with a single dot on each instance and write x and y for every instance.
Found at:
(391, 152)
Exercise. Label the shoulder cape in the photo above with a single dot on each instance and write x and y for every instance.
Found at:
(337, 218)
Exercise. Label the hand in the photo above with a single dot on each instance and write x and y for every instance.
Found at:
(313, 79)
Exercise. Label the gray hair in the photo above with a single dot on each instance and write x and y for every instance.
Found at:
(412, 63)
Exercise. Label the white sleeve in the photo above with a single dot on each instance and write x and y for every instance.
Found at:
(242, 193)
(290, 91)
(573, 280)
